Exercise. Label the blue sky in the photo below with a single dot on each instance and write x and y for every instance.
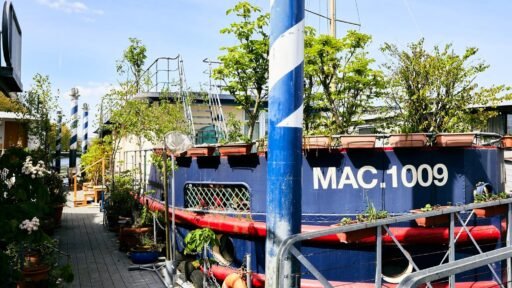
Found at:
(77, 42)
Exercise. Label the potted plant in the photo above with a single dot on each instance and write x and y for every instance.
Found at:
(370, 215)
(434, 221)
(483, 193)
(408, 140)
(357, 141)
(58, 195)
(235, 143)
(146, 252)
(454, 139)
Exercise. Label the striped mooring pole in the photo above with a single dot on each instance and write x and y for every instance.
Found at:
(284, 183)
(58, 146)
(74, 128)
(85, 139)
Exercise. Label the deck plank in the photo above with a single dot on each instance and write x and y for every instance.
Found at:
(94, 253)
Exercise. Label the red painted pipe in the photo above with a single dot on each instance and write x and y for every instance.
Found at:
(405, 235)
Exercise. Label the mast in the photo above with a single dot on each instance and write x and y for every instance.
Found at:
(333, 18)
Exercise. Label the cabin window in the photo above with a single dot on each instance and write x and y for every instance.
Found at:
(217, 197)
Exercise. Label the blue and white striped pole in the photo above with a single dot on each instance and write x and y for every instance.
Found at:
(58, 146)
(85, 139)
(284, 183)
(74, 128)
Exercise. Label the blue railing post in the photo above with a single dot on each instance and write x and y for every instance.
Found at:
(284, 187)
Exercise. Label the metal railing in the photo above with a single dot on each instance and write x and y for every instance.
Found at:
(287, 248)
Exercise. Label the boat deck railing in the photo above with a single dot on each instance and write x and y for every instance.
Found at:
(287, 249)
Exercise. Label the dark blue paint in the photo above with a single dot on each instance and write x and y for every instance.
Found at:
(466, 167)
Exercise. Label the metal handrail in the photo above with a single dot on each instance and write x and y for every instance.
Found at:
(462, 265)
(289, 241)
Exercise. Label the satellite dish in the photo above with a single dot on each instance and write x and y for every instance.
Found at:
(178, 142)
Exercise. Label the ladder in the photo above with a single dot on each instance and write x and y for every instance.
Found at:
(214, 104)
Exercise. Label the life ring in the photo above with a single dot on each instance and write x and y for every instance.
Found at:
(233, 280)
(223, 253)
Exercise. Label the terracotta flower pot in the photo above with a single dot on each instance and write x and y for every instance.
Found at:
(316, 142)
(492, 211)
(454, 139)
(129, 237)
(408, 140)
(235, 149)
(201, 151)
(357, 236)
(434, 221)
(32, 276)
(357, 141)
(506, 142)
(31, 259)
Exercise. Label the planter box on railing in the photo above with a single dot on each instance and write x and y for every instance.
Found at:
(408, 140)
(491, 211)
(506, 142)
(200, 150)
(455, 139)
(235, 149)
(316, 142)
(357, 141)
(434, 221)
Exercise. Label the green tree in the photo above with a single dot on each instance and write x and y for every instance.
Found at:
(137, 118)
(65, 137)
(39, 104)
(340, 84)
(96, 151)
(436, 91)
(244, 67)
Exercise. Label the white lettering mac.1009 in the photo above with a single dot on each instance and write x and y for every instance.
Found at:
(409, 176)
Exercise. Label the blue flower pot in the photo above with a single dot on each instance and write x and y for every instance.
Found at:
(144, 257)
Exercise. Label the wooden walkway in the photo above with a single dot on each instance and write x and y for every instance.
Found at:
(95, 258)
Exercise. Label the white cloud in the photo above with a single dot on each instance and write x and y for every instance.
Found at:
(70, 6)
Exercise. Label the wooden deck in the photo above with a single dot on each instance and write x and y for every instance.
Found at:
(95, 258)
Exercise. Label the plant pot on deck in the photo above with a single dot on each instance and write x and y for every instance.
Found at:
(130, 237)
(408, 140)
(434, 221)
(454, 139)
(201, 150)
(144, 256)
(357, 141)
(235, 149)
(57, 214)
(34, 276)
(492, 211)
(316, 142)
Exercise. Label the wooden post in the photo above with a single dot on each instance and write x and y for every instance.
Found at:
(74, 189)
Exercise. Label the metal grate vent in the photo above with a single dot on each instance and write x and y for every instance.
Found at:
(218, 197)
